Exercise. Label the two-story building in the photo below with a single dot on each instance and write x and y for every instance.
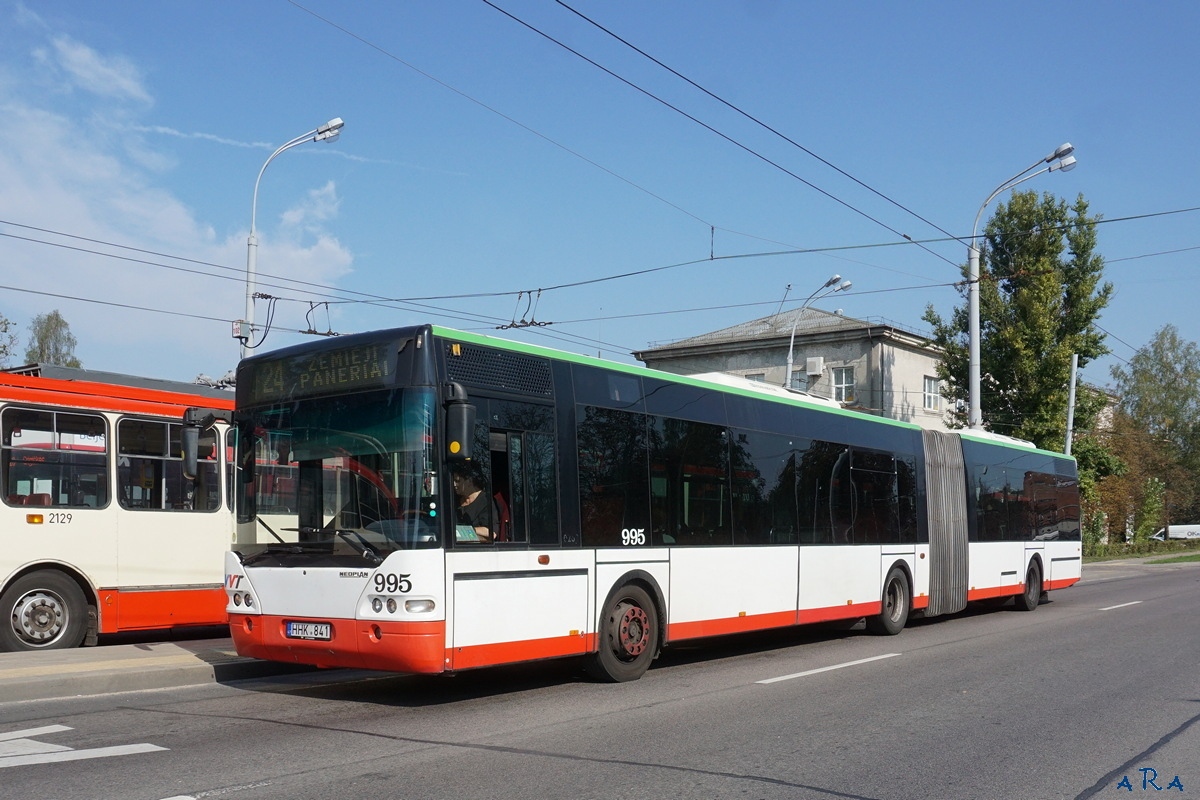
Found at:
(867, 365)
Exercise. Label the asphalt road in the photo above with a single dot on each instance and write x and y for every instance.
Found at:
(1095, 689)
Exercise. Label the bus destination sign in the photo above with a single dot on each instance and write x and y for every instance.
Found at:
(359, 367)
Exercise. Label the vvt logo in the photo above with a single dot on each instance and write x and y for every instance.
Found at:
(1149, 781)
(233, 581)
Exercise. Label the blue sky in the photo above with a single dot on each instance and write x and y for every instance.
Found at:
(482, 162)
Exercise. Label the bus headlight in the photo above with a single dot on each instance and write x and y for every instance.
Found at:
(419, 606)
(376, 605)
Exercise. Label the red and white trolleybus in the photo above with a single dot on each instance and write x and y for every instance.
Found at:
(427, 500)
(100, 530)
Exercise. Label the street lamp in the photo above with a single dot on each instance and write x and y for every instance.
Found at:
(244, 329)
(837, 287)
(1061, 160)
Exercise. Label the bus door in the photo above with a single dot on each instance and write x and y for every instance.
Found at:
(168, 519)
(515, 594)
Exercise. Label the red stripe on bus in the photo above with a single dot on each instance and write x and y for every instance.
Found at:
(51, 388)
(1011, 590)
(484, 655)
(834, 613)
(720, 627)
(149, 609)
(100, 403)
(1061, 583)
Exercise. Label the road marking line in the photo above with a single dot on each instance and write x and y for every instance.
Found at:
(1123, 605)
(25, 734)
(827, 669)
(78, 755)
(25, 747)
(17, 749)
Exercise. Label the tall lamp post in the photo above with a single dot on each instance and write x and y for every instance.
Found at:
(244, 329)
(823, 291)
(1061, 160)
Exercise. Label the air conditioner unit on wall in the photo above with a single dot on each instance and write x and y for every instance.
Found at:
(816, 367)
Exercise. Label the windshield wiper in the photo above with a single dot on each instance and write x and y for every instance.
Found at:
(284, 548)
(355, 540)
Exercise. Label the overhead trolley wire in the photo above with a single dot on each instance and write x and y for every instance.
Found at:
(713, 130)
(756, 120)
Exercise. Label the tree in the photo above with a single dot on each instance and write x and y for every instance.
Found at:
(1160, 407)
(51, 342)
(8, 340)
(1040, 295)
(1150, 513)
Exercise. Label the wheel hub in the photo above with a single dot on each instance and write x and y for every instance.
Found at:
(39, 618)
(633, 632)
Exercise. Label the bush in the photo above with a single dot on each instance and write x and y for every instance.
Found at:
(1150, 547)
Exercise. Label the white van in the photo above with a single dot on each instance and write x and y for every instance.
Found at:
(1178, 532)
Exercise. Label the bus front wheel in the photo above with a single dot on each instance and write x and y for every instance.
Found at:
(44, 610)
(628, 636)
(1029, 599)
(893, 616)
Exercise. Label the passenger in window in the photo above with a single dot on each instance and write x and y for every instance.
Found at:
(476, 508)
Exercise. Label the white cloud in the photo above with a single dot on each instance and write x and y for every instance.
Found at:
(64, 174)
(319, 207)
(163, 130)
(112, 76)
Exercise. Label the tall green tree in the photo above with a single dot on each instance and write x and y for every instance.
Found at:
(1040, 296)
(1160, 396)
(51, 341)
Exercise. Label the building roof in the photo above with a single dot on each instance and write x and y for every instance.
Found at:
(807, 322)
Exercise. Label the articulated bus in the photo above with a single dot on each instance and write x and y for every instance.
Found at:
(101, 532)
(425, 500)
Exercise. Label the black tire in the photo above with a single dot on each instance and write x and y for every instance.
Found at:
(628, 636)
(1029, 599)
(44, 610)
(897, 600)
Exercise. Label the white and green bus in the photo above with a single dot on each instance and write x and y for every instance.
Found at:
(623, 509)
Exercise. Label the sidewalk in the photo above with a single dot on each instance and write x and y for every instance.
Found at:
(126, 667)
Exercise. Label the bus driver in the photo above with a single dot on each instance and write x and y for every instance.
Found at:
(475, 507)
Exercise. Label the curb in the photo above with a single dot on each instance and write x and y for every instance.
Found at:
(60, 674)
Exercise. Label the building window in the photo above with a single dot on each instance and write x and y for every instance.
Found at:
(933, 394)
(843, 384)
(799, 379)
(761, 377)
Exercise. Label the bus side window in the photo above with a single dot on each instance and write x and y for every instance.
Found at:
(522, 470)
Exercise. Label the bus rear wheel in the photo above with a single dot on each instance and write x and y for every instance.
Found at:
(894, 614)
(628, 636)
(1029, 599)
(44, 610)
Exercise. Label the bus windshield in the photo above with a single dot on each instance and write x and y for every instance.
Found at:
(351, 476)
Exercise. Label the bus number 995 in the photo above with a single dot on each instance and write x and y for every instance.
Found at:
(392, 582)
(633, 536)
